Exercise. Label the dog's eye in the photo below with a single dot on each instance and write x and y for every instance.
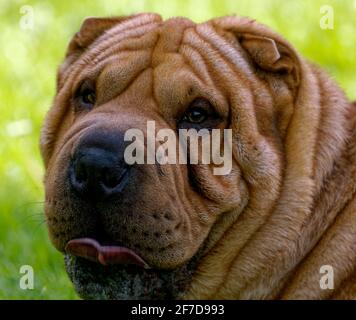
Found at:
(85, 95)
(198, 112)
(195, 115)
(199, 115)
(88, 97)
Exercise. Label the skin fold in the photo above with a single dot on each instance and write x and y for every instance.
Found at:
(263, 231)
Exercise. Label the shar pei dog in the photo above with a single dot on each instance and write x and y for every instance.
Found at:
(281, 224)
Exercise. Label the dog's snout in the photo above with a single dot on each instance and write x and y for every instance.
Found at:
(97, 170)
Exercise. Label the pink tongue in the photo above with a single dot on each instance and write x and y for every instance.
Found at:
(92, 250)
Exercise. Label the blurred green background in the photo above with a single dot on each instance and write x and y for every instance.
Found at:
(28, 61)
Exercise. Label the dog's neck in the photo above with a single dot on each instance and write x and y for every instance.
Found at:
(335, 165)
(335, 190)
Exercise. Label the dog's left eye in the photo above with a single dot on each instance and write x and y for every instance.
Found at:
(200, 114)
(197, 112)
(195, 115)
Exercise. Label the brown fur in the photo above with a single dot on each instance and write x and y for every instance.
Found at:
(288, 206)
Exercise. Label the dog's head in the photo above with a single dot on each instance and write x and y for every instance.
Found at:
(151, 223)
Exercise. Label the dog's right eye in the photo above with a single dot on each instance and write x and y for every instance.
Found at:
(88, 98)
(85, 96)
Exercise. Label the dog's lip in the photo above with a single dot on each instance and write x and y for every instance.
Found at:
(91, 249)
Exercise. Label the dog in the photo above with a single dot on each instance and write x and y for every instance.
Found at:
(280, 225)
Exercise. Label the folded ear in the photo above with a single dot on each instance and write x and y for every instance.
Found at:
(90, 30)
(268, 51)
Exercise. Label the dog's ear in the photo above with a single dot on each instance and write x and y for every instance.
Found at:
(267, 50)
(90, 30)
(266, 53)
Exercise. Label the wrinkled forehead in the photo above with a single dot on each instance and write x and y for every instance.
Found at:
(137, 42)
(173, 61)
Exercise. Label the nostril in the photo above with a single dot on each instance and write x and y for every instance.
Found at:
(109, 178)
(77, 178)
(96, 174)
(112, 181)
(80, 173)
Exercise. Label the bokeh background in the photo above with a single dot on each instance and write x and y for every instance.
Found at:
(29, 57)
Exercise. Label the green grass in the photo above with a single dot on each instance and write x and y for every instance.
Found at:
(28, 62)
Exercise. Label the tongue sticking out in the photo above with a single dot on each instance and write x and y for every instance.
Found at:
(106, 255)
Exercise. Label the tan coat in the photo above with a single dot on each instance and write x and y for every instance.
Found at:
(289, 206)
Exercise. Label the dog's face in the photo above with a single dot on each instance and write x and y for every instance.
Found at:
(119, 74)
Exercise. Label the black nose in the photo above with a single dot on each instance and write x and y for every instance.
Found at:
(97, 170)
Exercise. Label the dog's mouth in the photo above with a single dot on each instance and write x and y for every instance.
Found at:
(105, 253)
(125, 281)
(107, 270)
